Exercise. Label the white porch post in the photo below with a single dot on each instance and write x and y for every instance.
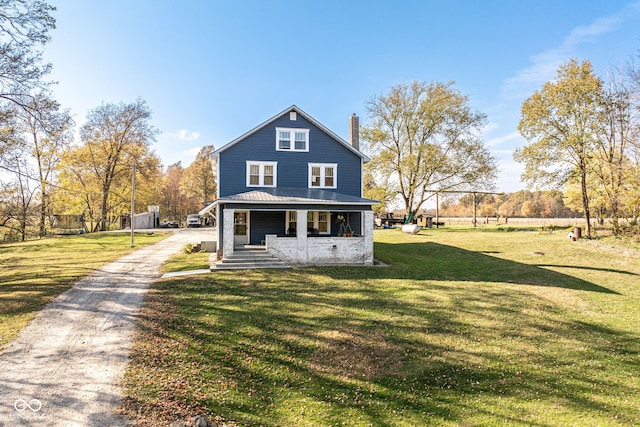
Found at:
(227, 230)
(367, 226)
(301, 235)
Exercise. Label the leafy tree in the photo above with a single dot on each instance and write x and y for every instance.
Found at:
(619, 130)
(198, 182)
(426, 137)
(20, 194)
(561, 122)
(544, 204)
(173, 202)
(372, 190)
(49, 134)
(115, 138)
(24, 29)
(78, 190)
(631, 197)
(505, 209)
(530, 209)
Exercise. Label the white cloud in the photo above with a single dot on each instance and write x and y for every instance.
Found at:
(499, 140)
(192, 152)
(185, 135)
(545, 64)
(491, 126)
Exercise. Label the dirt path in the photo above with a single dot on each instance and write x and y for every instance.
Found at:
(65, 367)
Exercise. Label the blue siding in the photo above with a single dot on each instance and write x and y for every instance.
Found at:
(263, 223)
(354, 222)
(292, 169)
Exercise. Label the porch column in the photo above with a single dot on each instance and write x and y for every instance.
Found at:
(301, 236)
(227, 232)
(367, 226)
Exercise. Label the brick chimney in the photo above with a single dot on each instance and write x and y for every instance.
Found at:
(354, 131)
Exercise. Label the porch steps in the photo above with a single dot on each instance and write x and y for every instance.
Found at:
(249, 257)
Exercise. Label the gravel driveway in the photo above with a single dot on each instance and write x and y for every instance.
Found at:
(64, 369)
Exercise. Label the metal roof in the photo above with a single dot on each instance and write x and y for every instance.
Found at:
(296, 196)
(291, 196)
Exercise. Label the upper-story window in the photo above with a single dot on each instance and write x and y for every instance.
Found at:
(323, 175)
(292, 139)
(262, 174)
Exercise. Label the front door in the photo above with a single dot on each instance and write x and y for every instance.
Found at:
(240, 228)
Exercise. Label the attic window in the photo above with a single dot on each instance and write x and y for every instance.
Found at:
(291, 139)
(293, 116)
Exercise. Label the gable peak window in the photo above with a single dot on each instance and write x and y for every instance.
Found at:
(261, 174)
(292, 139)
(323, 175)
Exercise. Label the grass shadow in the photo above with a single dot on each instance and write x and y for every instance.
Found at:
(442, 336)
(324, 347)
(436, 261)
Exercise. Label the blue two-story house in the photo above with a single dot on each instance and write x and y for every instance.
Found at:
(294, 187)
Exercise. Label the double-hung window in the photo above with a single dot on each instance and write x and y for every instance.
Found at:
(318, 222)
(261, 174)
(291, 223)
(323, 175)
(292, 139)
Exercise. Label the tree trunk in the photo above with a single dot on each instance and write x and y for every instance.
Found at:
(23, 224)
(43, 211)
(103, 211)
(585, 202)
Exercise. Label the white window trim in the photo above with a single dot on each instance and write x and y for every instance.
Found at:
(323, 167)
(288, 221)
(292, 139)
(261, 165)
(316, 221)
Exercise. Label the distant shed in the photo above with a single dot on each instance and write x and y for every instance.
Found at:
(425, 221)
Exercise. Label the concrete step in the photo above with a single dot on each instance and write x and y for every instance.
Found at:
(249, 258)
(246, 266)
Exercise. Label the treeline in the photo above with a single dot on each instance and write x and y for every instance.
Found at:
(526, 204)
(583, 135)
(45, 171)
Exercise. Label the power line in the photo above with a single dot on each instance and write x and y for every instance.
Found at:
(50, 184)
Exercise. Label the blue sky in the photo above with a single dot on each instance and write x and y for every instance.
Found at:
(211, 70)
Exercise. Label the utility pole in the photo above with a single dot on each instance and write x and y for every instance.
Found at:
(437, 210)
(133, 201)
(475, 210)
(475, 201)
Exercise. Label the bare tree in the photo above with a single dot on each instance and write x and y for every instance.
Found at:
(24, 29)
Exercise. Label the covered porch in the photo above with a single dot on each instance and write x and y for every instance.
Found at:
(321, 237)
(299, 226)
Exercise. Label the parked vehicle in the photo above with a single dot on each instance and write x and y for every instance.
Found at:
(194, 220)
(169, 224)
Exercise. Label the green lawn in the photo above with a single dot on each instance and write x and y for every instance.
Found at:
(463, 327)
(33, 273)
